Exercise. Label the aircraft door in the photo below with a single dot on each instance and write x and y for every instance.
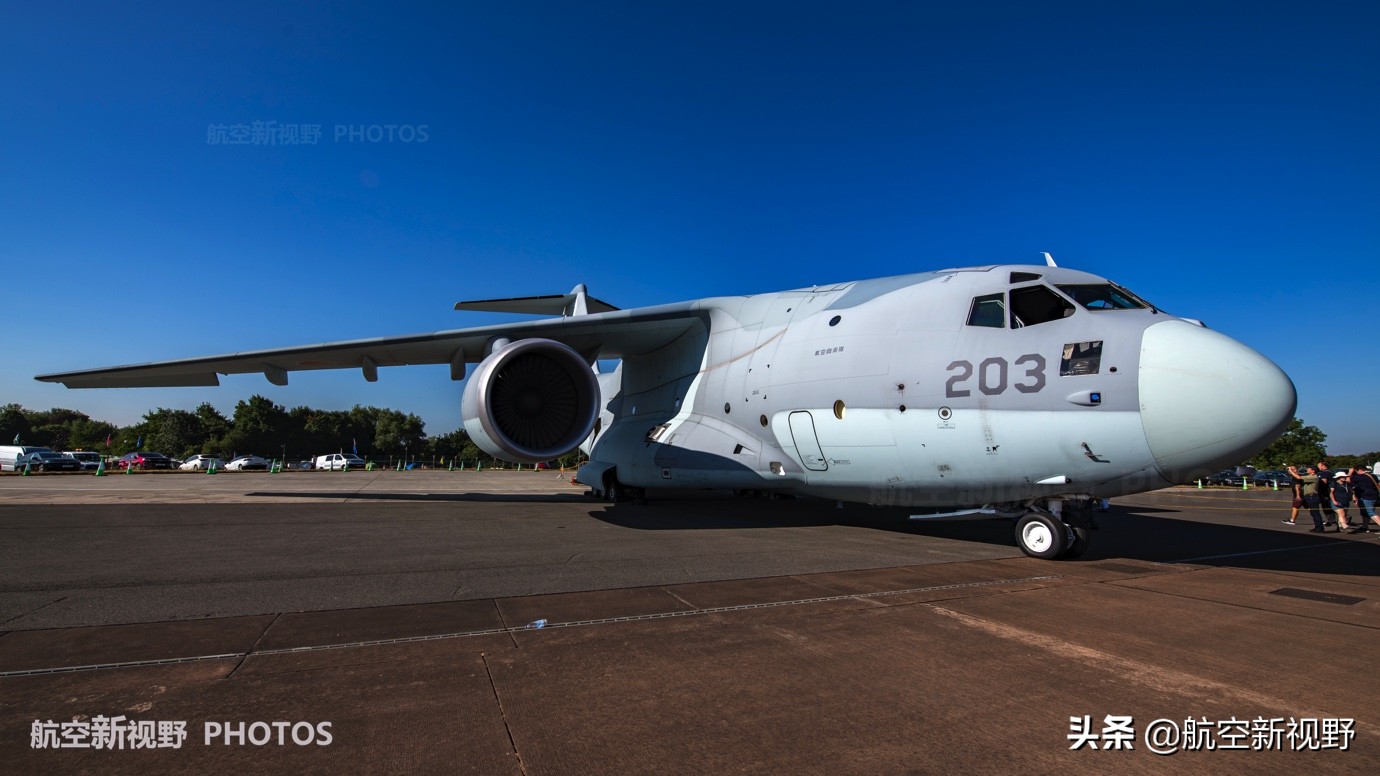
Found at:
(806, 442)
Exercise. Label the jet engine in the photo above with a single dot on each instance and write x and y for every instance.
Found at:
(531, 400)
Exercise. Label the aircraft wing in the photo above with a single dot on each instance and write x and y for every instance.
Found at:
(615, 334)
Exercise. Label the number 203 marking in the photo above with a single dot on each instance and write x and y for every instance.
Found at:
(993, 376)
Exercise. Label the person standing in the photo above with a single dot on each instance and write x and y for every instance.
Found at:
(1341, 498)
(1298, 498)
(1325, 475)
(1366, 491)
(1311, 499)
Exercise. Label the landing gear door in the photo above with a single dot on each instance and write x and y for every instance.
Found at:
(806, 443)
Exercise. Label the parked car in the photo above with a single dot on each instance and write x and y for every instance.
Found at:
(201, 462)
(1224, 477)
(144, 461)
(9, 454)
(48, 461)
(246, 463)
(300, 465)
(336, 461)
(1268, 479)
(89, 461)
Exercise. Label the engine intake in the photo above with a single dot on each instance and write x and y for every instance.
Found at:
(530, 401)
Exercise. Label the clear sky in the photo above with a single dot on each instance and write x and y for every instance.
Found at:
(1219, 159)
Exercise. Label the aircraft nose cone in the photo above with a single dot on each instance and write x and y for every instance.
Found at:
(1206, 400)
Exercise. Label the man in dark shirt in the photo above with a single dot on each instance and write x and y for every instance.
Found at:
(1365, 490)
(1325, 475)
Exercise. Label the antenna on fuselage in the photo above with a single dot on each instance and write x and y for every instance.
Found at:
(1049, 260)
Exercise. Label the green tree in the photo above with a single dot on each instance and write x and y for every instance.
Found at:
(58, 428)
(458, 447)
(1298, 445)
(91, 434)
(14, 424)
(330, 431)
(395, 433)
(259, 427)
(173, 432)
(447, 446)
(51, 428)
(214, 427)
(298, 439)
(361, 429)
(1340, 462)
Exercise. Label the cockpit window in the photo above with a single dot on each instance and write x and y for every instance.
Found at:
(1034, 305)
(1104, 296)
(988, 310)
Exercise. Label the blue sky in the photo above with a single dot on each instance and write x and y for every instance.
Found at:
(1217, 158)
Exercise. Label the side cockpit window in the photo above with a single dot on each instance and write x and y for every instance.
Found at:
(1104, 296)
(1034, 305)
(988, 310)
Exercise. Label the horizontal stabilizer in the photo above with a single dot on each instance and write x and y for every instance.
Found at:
(577, 302)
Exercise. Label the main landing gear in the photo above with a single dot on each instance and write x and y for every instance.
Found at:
(616, 492)
(1055, 528)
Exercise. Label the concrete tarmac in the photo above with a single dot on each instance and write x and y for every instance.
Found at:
(397, 615)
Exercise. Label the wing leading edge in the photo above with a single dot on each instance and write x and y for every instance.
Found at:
(615, 334)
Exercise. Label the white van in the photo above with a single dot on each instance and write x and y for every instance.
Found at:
(10, 453)
(336, 461)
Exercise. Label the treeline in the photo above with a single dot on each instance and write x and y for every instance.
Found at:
(258, 426)
(261, 427)
(1304, 445)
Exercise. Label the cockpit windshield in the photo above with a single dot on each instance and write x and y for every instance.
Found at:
(1104, 296)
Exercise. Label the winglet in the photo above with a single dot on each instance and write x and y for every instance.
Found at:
(577, 302)
(580, 304)
(1049, 260)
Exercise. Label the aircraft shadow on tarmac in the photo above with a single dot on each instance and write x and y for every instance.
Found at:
(1140, 533)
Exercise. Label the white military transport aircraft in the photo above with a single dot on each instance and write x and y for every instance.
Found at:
(1019, 391)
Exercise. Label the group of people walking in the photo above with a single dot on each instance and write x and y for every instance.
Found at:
(1328, 494)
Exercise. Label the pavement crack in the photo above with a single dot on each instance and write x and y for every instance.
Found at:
(672, 593)
(255, 646)
(502, 713)
(503, 623)
(22, 615)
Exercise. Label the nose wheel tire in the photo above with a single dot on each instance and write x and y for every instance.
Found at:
(1042, 536)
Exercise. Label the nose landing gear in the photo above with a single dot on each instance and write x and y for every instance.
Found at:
(1055, 528)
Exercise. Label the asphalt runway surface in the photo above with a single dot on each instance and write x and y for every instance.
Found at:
(501, 622)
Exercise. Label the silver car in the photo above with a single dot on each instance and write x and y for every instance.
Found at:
(90, 461)
(200, 462)
(247, 463)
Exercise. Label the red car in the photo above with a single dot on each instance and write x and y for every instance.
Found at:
(145, 461)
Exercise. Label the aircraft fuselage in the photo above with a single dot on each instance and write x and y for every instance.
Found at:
(903, 391)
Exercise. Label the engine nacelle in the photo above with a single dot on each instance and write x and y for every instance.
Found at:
(530, 401)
